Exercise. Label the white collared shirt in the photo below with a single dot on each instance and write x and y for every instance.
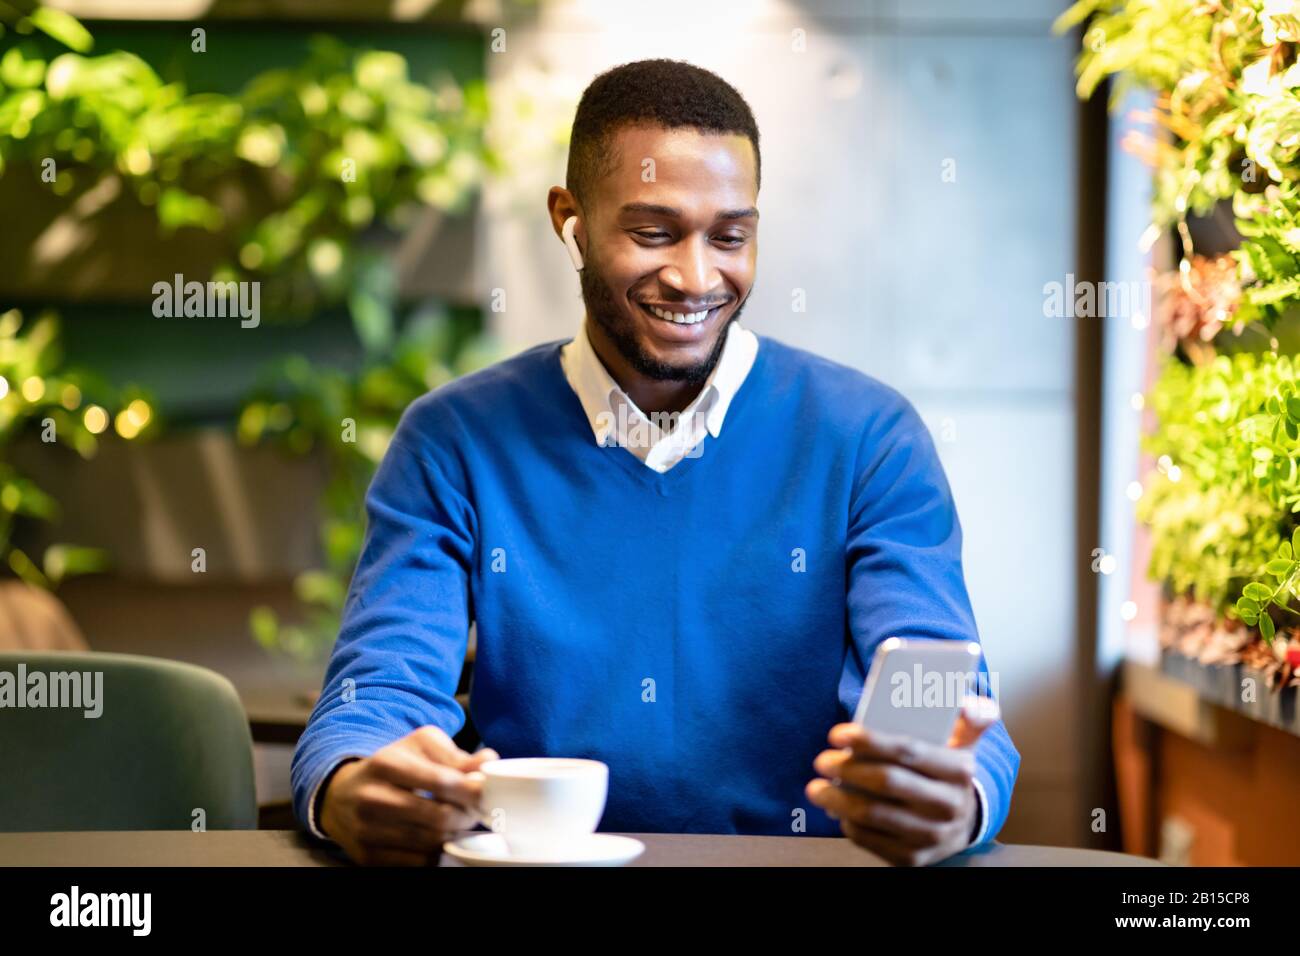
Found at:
(658, 441)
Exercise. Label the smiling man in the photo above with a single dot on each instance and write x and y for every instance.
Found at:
(681, 543)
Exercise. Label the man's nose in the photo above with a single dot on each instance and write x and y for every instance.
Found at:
(692, 271)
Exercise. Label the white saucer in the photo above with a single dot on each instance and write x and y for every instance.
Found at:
(598, 849)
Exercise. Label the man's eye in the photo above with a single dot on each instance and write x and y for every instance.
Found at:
(730, 240)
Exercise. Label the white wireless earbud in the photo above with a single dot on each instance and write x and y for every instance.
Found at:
(571, 243)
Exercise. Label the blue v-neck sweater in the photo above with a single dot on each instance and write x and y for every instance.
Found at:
(698, 630)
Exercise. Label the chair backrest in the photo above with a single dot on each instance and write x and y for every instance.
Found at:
(35, 620)
(119, 742)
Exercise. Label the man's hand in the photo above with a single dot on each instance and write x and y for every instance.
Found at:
(909, 802)
(371, 809)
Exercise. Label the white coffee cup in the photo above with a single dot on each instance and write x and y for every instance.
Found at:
(541, 805)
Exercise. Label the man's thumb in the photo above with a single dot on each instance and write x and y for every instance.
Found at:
(978, 714)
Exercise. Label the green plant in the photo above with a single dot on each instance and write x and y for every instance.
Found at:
(68, 406)
(287, 172)
(349, 417)
(1222, 504)
(1227, 89)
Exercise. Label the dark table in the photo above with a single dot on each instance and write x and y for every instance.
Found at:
(292, 848)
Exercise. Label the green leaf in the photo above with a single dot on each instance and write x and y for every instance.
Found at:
(1266, 627)
(1074, 15)
(177, 209)
(1273, 292)
(65, 560)
(372, 301)
(373, 321)
(1258, 592)
(26, 569)
(19, 72)
(1279, 566)
(319, 587)
(265, 625)
(63, 27)
(380, 71)
(22, 497)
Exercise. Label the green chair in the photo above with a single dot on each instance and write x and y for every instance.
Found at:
(170, 739)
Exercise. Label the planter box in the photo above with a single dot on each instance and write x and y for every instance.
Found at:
(1222, 686)
(91, 248)
(149, 504)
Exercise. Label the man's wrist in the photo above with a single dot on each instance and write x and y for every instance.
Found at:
(316, 811)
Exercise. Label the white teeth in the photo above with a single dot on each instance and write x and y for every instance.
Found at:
(680, 318)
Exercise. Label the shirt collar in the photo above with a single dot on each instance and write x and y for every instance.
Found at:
(599, 393)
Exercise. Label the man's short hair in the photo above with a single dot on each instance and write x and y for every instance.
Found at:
(667, 93)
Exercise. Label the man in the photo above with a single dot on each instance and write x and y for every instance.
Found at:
(681, 543)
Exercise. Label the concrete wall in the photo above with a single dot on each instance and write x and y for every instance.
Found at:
(933, 286)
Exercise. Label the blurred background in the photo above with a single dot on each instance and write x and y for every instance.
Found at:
(381, 168)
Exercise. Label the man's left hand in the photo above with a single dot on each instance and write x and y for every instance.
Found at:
(910, 802)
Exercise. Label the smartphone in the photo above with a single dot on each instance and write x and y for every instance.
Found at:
(915, 688)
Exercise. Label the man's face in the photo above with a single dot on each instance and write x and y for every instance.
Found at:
(686, 243)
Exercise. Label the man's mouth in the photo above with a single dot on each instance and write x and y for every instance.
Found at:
(677, 316)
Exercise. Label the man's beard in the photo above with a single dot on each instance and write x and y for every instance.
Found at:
(604, 309)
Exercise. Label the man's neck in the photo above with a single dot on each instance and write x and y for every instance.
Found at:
(652, 396)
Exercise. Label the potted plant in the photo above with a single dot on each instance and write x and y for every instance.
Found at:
(1223, 500)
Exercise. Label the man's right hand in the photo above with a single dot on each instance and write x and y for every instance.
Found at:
(372, 811)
